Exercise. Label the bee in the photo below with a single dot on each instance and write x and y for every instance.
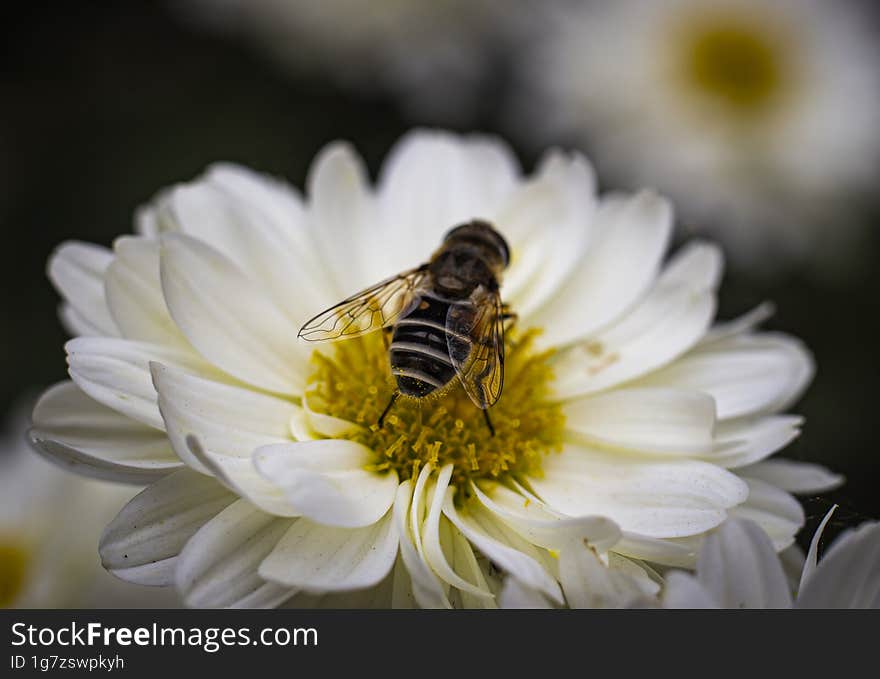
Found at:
(445, 319)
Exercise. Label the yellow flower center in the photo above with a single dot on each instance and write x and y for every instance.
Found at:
(732, 61)
(14, 560)
(355, 384)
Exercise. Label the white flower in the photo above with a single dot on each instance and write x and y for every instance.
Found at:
(433, 55)
(738, 568)
(50, 523)
(625, 422)
(758, 118)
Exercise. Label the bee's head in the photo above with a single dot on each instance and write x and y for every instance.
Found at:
(484, 236)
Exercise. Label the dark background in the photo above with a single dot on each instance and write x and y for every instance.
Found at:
(103, 104)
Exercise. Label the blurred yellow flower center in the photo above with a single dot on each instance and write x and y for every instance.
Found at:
(355, 384)
(732, 62)
(14, 561)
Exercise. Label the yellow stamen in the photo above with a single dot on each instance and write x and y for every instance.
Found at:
(446, 427)
(396, 445)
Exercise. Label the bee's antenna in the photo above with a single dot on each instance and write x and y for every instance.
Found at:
(394, 396)
(489, 422)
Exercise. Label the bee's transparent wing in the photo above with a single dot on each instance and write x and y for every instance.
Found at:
(368, 310)
(481, 370)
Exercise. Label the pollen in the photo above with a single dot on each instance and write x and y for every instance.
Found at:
(354, 383)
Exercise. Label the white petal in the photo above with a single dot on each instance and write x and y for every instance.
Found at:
(142, 543)
(241, 477)
(229, 319)
(375, 597)
(667, 322)
(465, 563)
(793, 476)
(654, 497)
(218, 566)
(504, 548)
(531, 521)
(740, 326)
(744, 441)
(426, 588)
(307, 424)
(326, 425)
(631, 236)
(134, 293)
(793, 560)
(227, 420)
(402, 595)
(433, 550)
(116, 372)
(147, 221)
(682, 590)
(326, 480)
(78, 325)
(746, 375)
(811, 560)
(517, 595)
(738, 566)
(698, 265)
(778, 513)
(589, 583)
(258, 223)
(418, 510)
(548, 223)
(77, 272)
(300, 428)
(679, 552)
(343, 222)
(649, 420)
(849, 574)
(433, 181)
(642, 575)
(84, 436)
(324, 558)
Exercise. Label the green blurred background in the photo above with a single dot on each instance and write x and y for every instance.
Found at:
(103, 104)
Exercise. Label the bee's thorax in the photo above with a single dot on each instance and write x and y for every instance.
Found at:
(479, 239)
(457, 269)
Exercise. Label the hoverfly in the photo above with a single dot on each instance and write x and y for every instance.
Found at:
(445, 319)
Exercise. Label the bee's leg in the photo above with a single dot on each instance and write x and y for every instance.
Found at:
(489, 422)
(394, 396)
(508, 315)
(508, 319)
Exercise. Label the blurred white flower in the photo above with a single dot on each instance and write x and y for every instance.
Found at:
(738, 568)
(758, 118)
(625, 420)
(432, 54)
(50, 523)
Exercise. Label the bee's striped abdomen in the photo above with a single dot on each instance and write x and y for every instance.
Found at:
(420, 348)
